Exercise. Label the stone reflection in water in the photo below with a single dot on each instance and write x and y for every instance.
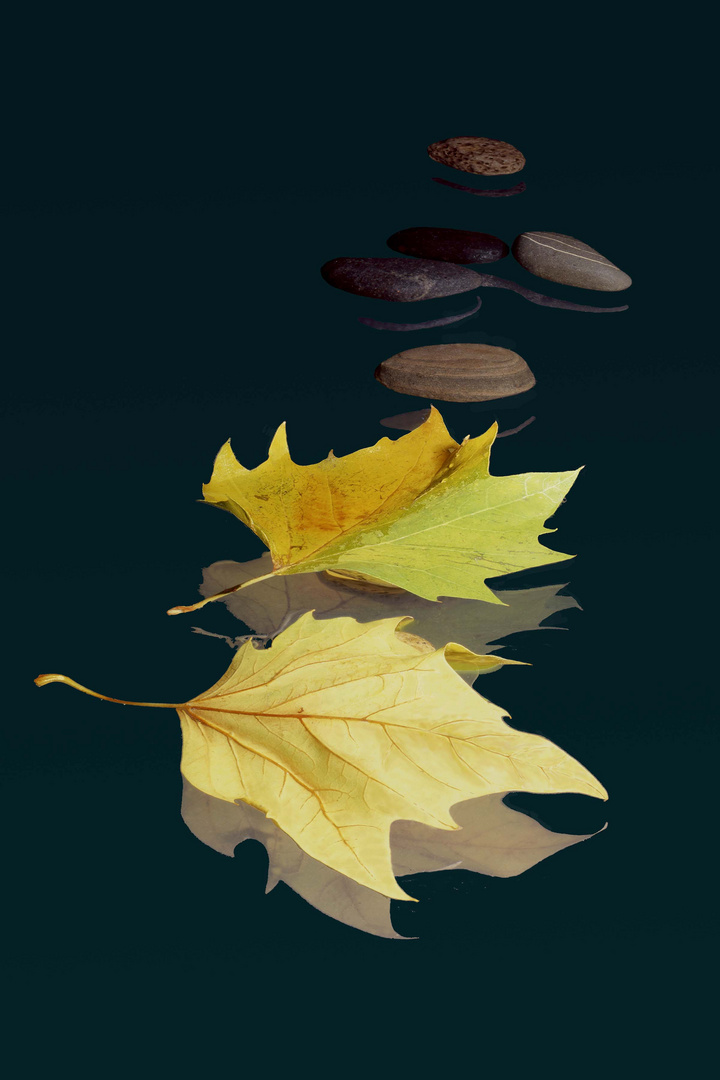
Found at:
(494, 840)
(271, 606)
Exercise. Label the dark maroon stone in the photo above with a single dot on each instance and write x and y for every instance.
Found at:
(402, 280)
(449, 245)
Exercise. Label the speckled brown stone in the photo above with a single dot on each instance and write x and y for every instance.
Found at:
(456, 372)
(402, 280)
(449, 245)
(568, 261)
(469, 153)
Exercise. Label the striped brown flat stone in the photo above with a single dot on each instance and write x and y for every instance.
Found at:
(458, 371)
(568, 261)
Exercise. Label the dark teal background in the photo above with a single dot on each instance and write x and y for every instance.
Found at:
(169, 194)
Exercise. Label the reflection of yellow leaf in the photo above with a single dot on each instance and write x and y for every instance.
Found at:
(492, 840)
(341, 728)
(420, 513)
(223, 825)
(273, 604)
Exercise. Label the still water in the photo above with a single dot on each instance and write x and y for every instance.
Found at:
(147, 334)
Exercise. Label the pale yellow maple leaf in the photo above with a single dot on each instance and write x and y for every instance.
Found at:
(341, 728)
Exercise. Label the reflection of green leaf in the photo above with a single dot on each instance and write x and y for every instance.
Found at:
(494, 840)
(271, 605)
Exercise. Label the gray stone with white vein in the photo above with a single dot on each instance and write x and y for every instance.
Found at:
(568, 261)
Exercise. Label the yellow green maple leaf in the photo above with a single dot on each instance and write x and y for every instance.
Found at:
(421, 513)
(341, 728)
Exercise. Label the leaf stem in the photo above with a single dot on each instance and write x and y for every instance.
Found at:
(43, 680)
(180, 610)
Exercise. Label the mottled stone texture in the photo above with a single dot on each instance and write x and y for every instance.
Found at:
(403, 280)
(568, 261)
(456, 372)
(449, 245)
(469, 153)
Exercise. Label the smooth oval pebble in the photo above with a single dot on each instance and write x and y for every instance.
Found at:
(401, 280)
(568, 262)
(456, 372)
(470, 153)
(449, 245)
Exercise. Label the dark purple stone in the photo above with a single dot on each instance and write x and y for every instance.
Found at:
(401, 280)
(449, 245)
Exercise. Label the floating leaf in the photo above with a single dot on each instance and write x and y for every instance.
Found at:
(492, 840)
(421, 513)
(341, 728)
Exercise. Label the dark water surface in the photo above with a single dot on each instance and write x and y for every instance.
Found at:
(163, 295)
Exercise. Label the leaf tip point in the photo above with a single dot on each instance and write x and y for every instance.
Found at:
(225, 448)
(279, 444)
